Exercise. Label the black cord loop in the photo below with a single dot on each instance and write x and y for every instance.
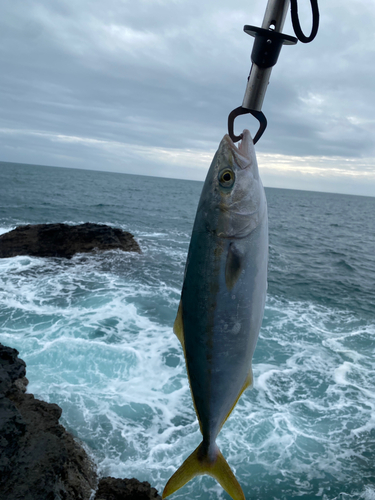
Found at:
(296, 24)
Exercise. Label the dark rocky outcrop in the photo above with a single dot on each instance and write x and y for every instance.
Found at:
(63, 240)
(39, 459)
(111, 488)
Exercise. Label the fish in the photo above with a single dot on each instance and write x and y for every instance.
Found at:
(222, 302)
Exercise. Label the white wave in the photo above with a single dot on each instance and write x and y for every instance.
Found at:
(4, 230)
(96, 334)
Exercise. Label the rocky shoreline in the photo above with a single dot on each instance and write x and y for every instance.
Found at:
(39, 459)
(64, 240)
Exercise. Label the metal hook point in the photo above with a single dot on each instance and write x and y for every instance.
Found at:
(242, 111)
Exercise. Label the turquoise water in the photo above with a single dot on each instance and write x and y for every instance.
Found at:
(96, 334)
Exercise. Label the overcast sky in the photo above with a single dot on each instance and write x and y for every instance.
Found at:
(146, 86)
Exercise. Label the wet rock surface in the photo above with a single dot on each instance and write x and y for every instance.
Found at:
(63, 240)
(39, 459)
(111, 488)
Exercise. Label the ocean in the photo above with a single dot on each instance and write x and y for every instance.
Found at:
(96, 335)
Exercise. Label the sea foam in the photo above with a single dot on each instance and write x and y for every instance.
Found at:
(96, 333)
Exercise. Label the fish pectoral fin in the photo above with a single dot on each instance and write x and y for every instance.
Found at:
(233, 266)
(197, 464)
(178, 326)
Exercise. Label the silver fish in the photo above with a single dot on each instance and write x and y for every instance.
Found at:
(222, 302)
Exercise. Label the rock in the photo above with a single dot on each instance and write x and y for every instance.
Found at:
(39, 459)
(11, 368)
(111, 488)
(63, 240)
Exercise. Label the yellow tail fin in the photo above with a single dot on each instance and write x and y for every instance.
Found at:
(197, 464)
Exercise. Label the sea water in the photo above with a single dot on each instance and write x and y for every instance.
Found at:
(96, 334)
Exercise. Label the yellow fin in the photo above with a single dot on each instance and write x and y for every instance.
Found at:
(248, 383)
(197, 464)
(178, 329)
(225, 477)
(178, 326)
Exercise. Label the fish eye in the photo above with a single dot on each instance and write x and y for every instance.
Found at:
(226, 178)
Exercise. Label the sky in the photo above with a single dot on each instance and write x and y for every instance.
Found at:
(146, 86)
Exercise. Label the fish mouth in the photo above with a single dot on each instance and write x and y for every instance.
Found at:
(244, 152)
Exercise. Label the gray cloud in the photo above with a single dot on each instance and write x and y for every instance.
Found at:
(166, 74)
